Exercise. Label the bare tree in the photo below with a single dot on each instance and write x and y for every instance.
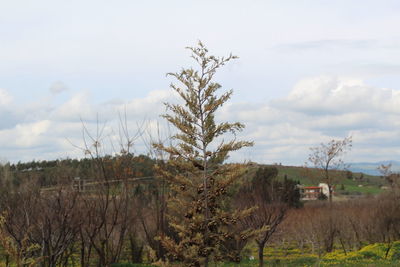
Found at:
(391, 177)
(271, 198)
(16, 225)
(328, 157)
(108, 204)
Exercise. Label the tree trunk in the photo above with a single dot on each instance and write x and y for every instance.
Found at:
(83, 255)
(136, 250)
(330, 194)
(329, 241)
(261, 254)
(343, 246)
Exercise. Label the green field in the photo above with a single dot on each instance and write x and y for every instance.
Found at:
(372, 255)
(368, 184)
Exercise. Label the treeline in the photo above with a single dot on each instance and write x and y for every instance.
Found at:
(48, 173)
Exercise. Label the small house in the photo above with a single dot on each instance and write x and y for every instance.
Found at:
(313, 192)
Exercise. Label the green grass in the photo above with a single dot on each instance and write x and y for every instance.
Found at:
(373, 255)
(304, 262)
(368, 189)
(370, 184)
(131, 265)
(311, 177)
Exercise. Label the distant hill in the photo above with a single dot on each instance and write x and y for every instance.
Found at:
(346, 184)
(371, 168)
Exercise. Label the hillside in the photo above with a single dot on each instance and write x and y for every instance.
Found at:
(347, 183)
(48, 173)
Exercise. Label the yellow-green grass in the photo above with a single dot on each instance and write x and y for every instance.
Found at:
(374, 255)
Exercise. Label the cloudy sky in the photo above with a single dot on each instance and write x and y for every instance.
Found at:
(309, 71)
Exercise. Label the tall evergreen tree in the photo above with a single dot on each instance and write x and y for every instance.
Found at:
(199, 179)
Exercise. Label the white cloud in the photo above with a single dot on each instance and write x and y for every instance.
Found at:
(32, 134)
(319, 109)
(316, 110)
(150, 106)
(26, 135)
(332, 95)
(58, 87)
(48, 131)
(5, 98)
(75, 108)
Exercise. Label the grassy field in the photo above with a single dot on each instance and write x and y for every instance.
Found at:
(374, 255)
(298, 263)
(368, 184)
